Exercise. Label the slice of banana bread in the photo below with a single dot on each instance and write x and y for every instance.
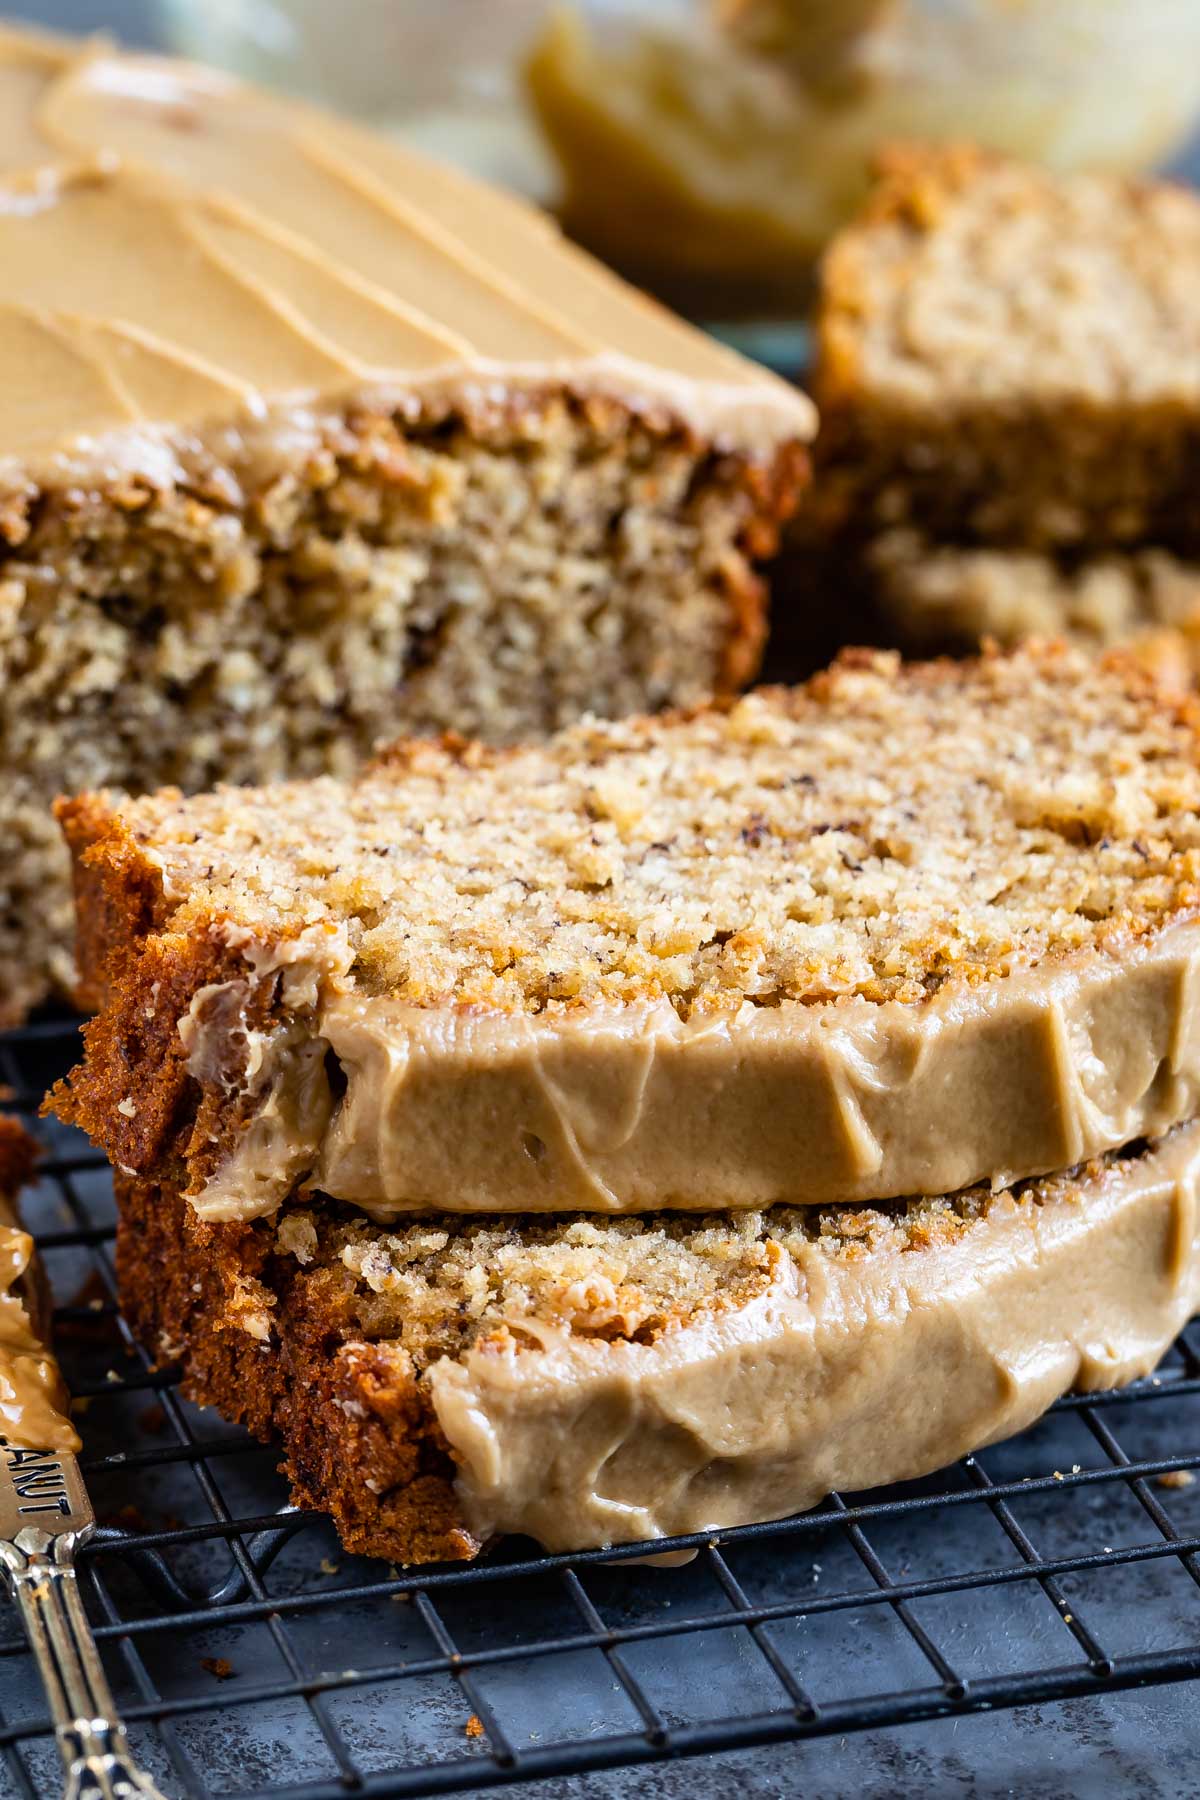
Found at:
(893, 932)
(593, 1382)
(1009, 356)
(947, 596)
(306, 441)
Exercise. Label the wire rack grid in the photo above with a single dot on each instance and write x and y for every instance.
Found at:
(251, 1656)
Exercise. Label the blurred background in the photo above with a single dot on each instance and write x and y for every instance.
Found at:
(708, 148)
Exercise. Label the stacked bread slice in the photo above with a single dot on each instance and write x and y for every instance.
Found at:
(652, 1129)
(1007, 368)
(34, 1404)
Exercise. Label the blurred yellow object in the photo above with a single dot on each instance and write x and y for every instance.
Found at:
(712, 159)
(817, 42)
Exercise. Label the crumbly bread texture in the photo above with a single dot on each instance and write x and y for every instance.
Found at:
(499, 578)
(306, 441)
(885, 834)
(1006, 355)
(945, 596)
(873, 833)
(329, 1334)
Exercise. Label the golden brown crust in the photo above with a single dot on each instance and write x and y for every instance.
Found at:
(360, 1442)
(916, 182)
(776, 489)
(18, 1155)
(118, 892)
(133, 1093)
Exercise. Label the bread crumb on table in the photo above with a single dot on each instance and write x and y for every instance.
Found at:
(1175, 1478)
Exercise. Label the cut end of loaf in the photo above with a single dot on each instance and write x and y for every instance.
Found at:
(256, 618)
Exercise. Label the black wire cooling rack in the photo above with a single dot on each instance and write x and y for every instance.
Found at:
(251, 1656)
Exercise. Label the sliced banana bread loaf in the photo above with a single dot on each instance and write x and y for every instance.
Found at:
(306, 441)
(893, 932)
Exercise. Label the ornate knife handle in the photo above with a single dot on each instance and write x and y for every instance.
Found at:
(45, 1514)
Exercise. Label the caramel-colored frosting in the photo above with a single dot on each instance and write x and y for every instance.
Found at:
(847, 1372)
(179, 249)
(33, 1398)
(636, 1109)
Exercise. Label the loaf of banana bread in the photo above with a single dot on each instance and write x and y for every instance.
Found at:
(306, 441)
(1008, 366)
